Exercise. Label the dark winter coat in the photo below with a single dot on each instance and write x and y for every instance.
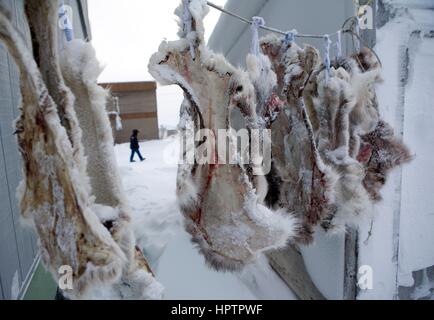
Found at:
(134, 143)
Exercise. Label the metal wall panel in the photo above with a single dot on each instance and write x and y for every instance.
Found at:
(13, 160)
(18, 247)
(8, 245)
(1, 290)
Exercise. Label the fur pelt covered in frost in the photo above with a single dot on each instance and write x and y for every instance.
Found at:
(222, 203)
(81, 69)
(331, 152)
(62, 193)
(306, 184)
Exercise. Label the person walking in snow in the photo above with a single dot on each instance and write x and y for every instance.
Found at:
(134, 146)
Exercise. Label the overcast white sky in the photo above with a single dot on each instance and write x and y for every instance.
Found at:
(125, 33)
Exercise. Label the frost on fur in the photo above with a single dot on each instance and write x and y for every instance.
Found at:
(305, 182)
(53, 195)
(264, 80)
(330, 151)
(220, 202)
(43, 18)
(381, 152)
(332, 102)
(56, 193)
(376, 145)
(81, 69)
(346, 117)
(373, 142)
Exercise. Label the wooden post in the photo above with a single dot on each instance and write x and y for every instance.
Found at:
(289, 264)
(351, 264)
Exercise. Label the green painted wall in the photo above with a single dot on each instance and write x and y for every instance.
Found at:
(42, 286)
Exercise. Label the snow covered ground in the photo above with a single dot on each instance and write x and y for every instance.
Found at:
(157, 223)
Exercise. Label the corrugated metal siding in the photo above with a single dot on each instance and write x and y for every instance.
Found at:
(18, 247)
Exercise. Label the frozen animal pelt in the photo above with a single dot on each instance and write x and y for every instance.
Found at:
(381, 152)
(52, 193)
(139, 283)
(365, 72)
(81, 69)
(219, 201)
(374, 143)
(306, 184)
(332, 102)
(264, 80)
(55, 193)
(42, 16)
(186, 191)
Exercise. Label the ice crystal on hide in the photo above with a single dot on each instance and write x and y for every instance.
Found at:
(221, 203)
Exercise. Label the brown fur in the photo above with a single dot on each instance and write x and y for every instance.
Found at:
(381, 152)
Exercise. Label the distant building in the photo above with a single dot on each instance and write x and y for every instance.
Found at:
(136, 104)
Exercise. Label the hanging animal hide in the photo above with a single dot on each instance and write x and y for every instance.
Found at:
(373, 142)
(323, 143)
(333, 102)
(80, 70)
(56, 193)
(381, 152)
(306, 184)
(222, 203)
(264, 80)
(324, 158)
(378, 147)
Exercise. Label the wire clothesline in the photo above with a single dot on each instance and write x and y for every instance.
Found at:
(353, 31)
(264, 27)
